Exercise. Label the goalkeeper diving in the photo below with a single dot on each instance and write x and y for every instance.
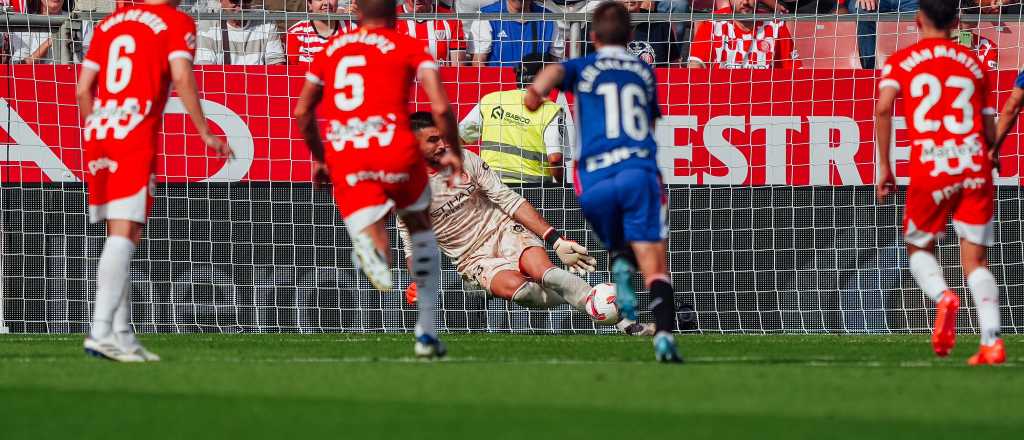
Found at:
(495, 236)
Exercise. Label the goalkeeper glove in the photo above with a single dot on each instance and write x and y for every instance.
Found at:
(576, 257)
(410, 294)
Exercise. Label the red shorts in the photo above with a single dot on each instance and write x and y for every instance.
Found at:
(368, 184)
(969, 199)
(120, 179)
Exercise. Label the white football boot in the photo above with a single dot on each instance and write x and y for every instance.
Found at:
(371, 263)
(130, 344)
(109, 349)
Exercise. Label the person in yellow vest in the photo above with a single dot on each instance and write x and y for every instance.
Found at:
(519, 145)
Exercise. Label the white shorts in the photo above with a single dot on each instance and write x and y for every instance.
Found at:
(499, 253)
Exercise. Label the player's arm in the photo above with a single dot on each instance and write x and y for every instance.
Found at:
(575, 256)
(1008, 117)
(185, 84)
(444, 118)
(546, 81)
(86, 90)
(471, 126)
(886, 181)
(554, 140)
(305, 117)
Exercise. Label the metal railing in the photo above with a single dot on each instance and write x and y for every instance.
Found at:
(17, 21)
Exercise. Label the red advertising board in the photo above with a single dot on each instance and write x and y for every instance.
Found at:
(783, 127)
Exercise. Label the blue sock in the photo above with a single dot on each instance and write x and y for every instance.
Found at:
(625, 295)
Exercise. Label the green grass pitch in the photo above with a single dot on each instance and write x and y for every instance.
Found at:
(359, 386)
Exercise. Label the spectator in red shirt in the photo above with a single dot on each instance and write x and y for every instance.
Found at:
(733, 44)
(307, 37)
(444, 38)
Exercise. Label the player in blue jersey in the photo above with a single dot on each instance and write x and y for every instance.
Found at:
(1008, 118)
(617, 180)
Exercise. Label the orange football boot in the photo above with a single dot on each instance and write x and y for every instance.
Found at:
(989, 354)
(944, 335)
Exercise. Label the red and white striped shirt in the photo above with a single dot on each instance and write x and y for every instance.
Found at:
(440, 36)
(304, 41)
(724, 44)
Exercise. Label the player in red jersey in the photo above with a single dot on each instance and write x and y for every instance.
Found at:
(135, 55)
(951, 125)
(374, 159)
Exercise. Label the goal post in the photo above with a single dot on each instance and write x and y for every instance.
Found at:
(773, 222)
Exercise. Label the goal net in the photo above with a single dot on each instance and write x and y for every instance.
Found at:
(774, 226)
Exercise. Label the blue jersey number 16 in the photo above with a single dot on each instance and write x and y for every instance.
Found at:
(625, 110)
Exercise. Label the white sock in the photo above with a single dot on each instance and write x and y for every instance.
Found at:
(928, 274)
(570, 287)
(111, 276)
(426, 270)
(123, 317)
(531, 295)
(986, 300)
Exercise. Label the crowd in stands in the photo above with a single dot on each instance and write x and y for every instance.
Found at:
(724, 43)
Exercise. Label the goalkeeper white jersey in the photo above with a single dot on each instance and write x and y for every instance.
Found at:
(469, 214)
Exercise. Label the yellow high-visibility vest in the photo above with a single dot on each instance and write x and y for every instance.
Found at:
(512, 137)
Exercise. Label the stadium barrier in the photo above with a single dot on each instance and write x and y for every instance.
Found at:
(774, 226)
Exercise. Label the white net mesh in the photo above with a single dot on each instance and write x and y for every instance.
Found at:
(774, 225)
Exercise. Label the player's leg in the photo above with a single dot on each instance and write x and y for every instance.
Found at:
(120, 180)
(650, 258)
(534, 262)
(426, 273)
(569, 288)
(986, 301)
(645, 227)
(111, 278)
(123, 328)
(365, 207)
(512, 285)
(924, 222)
(973, 223)
(600, 206)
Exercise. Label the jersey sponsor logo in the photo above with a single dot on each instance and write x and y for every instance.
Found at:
(108, 116)
(950, 190)
(941, 154)
(612, 157)
(359, 132)
(455, 203)
(500, 114)
(353, 179)
(103, 163)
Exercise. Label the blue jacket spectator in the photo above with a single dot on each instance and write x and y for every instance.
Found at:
(505, 42)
